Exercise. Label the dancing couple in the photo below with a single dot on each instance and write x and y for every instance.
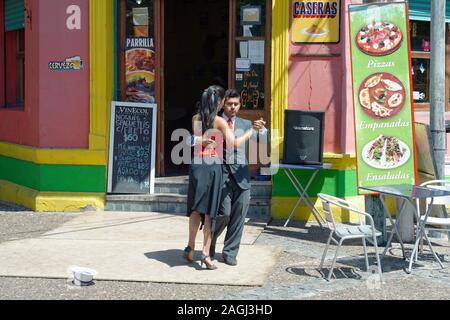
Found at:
(219, 178)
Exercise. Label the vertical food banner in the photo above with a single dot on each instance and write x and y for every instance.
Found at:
(384, 115)
(140, 53)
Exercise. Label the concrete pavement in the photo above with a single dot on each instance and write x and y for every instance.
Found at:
(294, 277)
(128, 246)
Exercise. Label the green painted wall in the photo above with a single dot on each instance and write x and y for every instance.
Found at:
(337, 183)
(54, 178)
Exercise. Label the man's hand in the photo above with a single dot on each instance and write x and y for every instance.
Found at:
(208, 143)
(259, 124)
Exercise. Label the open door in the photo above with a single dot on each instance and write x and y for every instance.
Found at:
(195, 44)
(195, 56)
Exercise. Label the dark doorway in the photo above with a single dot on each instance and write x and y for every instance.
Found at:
(195, 57)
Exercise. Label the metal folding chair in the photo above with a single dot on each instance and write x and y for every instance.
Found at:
(347, 231)
(434, 223)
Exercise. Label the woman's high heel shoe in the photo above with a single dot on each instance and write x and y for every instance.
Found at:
(186, 254)
(209, 265)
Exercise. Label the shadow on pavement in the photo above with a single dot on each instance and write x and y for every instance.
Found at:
(173, 258)
(339, 272)
(304, 232)
(10, 207)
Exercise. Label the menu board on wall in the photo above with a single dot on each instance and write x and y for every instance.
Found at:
(316, 21)
(132, 148)
(382, 94)
(251, 86)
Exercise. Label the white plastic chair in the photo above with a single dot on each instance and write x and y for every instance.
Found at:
(435, 223)
(346, 231)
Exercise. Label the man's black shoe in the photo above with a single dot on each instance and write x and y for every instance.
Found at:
(230, 261)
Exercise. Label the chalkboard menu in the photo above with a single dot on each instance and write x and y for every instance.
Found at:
(251, 86)
(132, 148)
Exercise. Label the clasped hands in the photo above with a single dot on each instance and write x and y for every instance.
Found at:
(257, 126)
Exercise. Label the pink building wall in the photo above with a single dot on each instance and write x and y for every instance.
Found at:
(424, 117)
(56, 112)
(320, 80)
(64, 95)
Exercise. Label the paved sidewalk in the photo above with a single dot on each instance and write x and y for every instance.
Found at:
(295, 275)
(127, 246)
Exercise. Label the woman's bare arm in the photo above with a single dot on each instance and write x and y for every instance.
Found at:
(230, 139)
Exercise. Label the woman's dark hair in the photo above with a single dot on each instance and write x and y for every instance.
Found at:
(208, 106)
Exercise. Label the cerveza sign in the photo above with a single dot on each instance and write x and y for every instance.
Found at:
(313, 9)
(69, 64)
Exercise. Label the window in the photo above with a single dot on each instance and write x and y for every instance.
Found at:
(251, 55)
(15, 68)
(14, 57)
(421, 63)
(421, 47)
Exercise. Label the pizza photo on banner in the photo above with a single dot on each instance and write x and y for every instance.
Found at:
(383, 103)
(316, 21)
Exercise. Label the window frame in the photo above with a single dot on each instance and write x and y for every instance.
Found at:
(18, 87)
(234, 38)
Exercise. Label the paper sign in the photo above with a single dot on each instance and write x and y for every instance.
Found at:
(382, 94)
(243, 49)
(248, 31)
(256, 51)
(251, 15)
(243, 64)
(140, 16)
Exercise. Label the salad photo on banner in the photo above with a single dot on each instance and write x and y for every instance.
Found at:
(383, 104)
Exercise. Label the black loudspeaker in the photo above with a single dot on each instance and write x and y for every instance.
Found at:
(303, 137)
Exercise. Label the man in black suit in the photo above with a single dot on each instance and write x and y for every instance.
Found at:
(236, 190)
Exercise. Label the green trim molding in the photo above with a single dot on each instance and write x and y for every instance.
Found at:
(54, 178)
(338, 183)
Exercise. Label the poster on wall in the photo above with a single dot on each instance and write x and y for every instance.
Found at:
(382, 88)
(132, 148)
(316, 21)
(140, 56)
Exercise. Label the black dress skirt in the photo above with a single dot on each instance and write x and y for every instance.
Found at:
(205, 190)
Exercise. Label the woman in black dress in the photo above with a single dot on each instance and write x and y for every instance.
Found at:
(206, 174)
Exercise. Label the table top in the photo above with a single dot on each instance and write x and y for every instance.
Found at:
(408, 191)
(302, 167)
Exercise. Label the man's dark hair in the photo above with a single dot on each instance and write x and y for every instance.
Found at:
(231, 93)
